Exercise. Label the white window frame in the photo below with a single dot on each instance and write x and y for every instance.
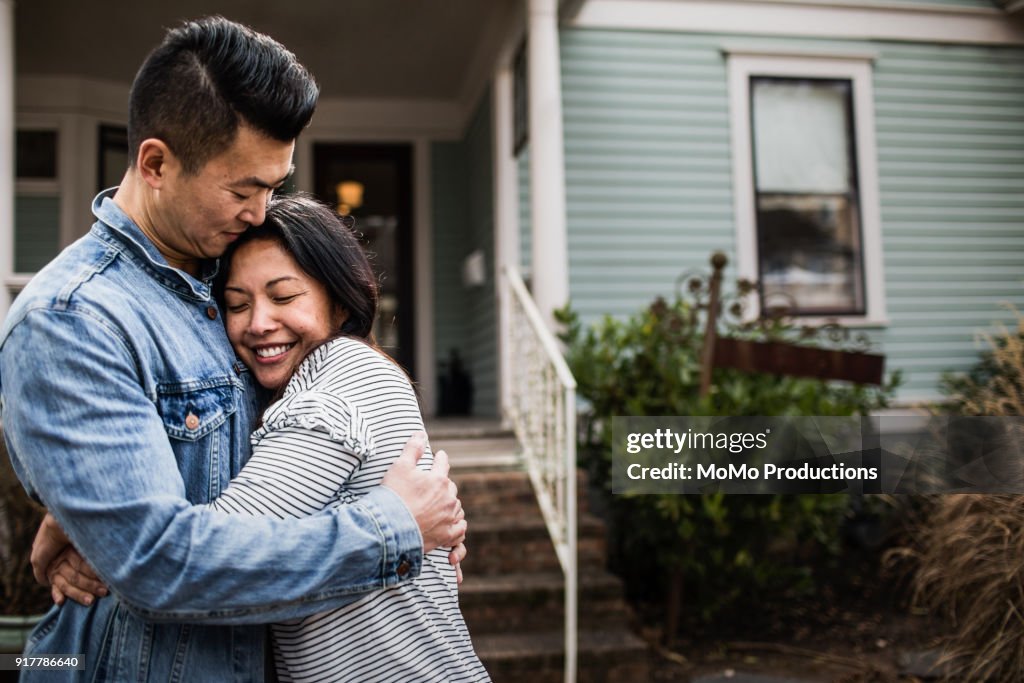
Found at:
(855, 67)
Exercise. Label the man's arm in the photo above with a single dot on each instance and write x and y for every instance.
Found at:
(88, 440)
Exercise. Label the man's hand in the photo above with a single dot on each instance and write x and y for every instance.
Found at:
(430, 496)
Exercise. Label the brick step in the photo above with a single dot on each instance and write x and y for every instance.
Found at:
(519, 544)
(529, 602)
(489, 493)
(606, 656)
(503, 492)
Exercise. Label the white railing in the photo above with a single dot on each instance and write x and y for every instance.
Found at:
(542, 410)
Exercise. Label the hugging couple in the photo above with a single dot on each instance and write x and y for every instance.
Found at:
(193, 391)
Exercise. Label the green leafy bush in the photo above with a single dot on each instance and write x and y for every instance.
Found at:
(724, 549)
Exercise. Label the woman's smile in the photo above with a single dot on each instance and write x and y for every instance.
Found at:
(272, 354)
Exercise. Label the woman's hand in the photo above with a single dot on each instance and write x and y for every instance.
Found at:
(455, 557)
(56, 563)
(70, 576)
(50, 541)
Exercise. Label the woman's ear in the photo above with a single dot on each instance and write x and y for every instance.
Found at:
(155, 161)
(338, 316)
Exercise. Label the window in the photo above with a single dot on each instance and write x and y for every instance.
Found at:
(805, 187)
(36, 200)
(112, 156)
(805, 184)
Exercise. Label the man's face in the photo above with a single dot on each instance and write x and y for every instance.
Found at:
(200, 215)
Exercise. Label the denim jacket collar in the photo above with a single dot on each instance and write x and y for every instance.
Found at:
(114, 227)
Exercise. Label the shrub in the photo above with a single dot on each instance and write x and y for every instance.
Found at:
(970, 569)
(19, 519)
(995, 385)
(725, 549)
(968, 559)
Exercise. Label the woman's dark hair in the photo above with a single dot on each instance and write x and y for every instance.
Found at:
(205, 79)
(325, 248)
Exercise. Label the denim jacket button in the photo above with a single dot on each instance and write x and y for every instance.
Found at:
(211, 312)
(403, 568)
(192, 421)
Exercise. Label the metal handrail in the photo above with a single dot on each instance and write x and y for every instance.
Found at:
(542, 411)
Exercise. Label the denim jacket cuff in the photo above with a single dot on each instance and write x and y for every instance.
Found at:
(403, 544)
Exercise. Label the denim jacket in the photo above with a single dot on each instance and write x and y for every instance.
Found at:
(123, 407)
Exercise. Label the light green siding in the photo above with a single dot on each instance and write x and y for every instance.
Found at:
(647, 163)
(525, 226)
(465, 317)
(450, 221)
(648, 172)
(950, 127)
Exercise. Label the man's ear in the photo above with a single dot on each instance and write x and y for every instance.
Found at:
(155, 161)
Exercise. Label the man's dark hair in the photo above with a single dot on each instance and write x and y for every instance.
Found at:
(208, 77)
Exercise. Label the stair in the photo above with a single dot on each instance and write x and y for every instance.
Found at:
(513, 593)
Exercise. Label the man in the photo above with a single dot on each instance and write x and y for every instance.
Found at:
(123, 404)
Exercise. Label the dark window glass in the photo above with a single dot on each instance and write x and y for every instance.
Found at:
(520, 103)
(36, 154)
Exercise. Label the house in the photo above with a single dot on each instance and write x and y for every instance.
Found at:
(863, 159)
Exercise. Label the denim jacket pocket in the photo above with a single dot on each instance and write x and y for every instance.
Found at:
(196, 415)
(192, 410)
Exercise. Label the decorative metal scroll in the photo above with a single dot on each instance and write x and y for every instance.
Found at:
(828, 351)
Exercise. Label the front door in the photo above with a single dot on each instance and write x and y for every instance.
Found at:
(373, 184)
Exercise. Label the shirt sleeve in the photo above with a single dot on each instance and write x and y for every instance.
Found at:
(307, 448)
(86, 437)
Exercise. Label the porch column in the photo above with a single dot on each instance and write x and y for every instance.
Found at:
(506, 219)
(550, 252)
(7, 136)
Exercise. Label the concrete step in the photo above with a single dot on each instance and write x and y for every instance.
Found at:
(535, 601)
(465, 428)
(605, 656)
(521, 543)
(480, 454)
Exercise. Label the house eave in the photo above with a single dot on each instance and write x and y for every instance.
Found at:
(1012, 6)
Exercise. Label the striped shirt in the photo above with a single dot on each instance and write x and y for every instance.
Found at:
(344, 418)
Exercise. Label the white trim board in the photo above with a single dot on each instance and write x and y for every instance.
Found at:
(867, 21)
(381, 119)
(107, 100)
(741, 67)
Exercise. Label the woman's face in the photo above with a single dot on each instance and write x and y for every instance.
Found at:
(275, 311)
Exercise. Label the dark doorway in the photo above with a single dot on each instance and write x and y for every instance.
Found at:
(373, 183)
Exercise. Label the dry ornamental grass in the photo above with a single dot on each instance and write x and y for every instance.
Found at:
(969, 559)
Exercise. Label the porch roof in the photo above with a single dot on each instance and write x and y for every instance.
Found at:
(423, 49)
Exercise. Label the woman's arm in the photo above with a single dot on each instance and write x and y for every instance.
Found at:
(308, 447)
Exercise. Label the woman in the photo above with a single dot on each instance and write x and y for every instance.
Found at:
(300, 299)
